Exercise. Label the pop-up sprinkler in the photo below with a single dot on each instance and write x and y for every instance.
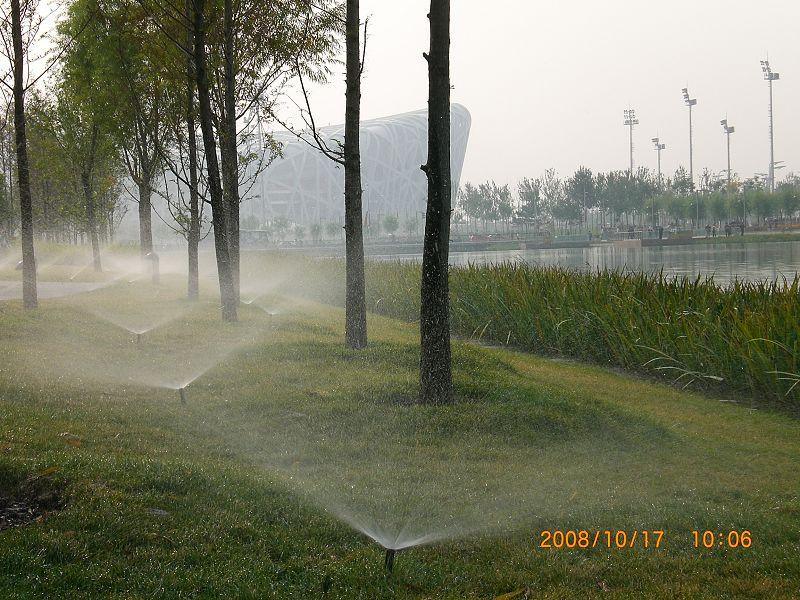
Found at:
(138, 338)
(388, 560)
(182, 392)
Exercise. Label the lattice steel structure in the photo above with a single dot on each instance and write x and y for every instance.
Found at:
(306, 187)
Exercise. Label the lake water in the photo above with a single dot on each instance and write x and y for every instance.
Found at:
(725, 262)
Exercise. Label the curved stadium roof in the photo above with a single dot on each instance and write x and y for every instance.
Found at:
(306, 187)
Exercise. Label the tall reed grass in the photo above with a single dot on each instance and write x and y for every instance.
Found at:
(743, 340)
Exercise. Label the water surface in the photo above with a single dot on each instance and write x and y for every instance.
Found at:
(725, 262)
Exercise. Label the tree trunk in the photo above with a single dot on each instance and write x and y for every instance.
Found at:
(103, 230)
(436, 380)
(29, 294)
(145, 215)
(146, 221)
(218, 213)
(193, 237)
(228, 145)
(91, 220)
(111, 231)
(355, 304)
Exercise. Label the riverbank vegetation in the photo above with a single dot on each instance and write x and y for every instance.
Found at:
(743, 340)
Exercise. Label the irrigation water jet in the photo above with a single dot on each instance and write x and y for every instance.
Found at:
(270, 312)
(134, 326)
(388, 560)
(81, 270)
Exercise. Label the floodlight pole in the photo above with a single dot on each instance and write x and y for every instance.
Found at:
(771, 142)
(630, 130)
(770, 76)
(690, 102)
(659, 147)
(728, 129)
(630, 121)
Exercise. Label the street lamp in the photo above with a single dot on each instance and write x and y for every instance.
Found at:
(728, 129)
(690, 102)
(770, 76)
(659, 147)
(630, 121)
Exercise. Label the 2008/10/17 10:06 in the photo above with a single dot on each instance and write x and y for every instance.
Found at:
(619, 538)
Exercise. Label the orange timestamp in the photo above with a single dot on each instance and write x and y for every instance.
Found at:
(722, 539)
(600, 538)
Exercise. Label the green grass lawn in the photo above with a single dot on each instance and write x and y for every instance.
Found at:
(290, 446)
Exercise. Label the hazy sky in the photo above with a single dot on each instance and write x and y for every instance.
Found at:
(546, 82)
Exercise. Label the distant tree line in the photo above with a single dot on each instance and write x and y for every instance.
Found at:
(622, 198)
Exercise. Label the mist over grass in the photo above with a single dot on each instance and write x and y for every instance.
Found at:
(294, 455)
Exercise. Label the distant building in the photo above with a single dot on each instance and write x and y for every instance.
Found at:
(306, 187)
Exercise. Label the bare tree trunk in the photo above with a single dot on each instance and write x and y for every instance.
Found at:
(355, 305)
(218, 213)
(228, 146)
(146, 222)
(193, 237)
(145, 215)
(436, 380)
(91, 212)
(111, 231)
(91, 220)
(103, 226)
(29, 294)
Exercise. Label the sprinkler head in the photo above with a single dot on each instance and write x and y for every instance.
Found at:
(138, 338)
(182, 392)
(388, 560)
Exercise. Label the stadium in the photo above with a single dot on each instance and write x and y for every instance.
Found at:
(305, 187)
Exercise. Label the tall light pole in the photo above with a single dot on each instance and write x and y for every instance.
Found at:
(659, 147)
(690, 102)
(728, 129)
(630, 121)
(770, 76)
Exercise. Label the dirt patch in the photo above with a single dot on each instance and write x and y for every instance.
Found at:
(30, 501)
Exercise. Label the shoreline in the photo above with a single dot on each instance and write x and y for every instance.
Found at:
(414, 248)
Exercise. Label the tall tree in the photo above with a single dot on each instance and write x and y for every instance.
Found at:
(84, 117)
(29, 293)
(529, 192)
(83, 143)
(579, 195)
(228, 141)
(136, 72)
(131, 68)
(436, 379)
(217, 201)
(552, 190)
(193, 234)
(355, 306)
(87, 168)
(347, 154)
